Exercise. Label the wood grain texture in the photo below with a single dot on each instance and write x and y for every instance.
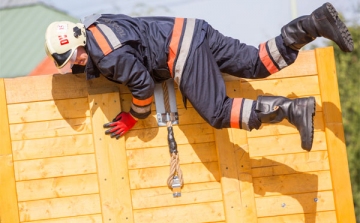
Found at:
(335, 135)
(48, 110)
(8, 197)
(111, 160)
(59, 207)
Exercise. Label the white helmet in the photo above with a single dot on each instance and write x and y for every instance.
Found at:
(61, 42)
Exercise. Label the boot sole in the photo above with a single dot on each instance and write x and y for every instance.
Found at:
(347, 43)
(310, 113)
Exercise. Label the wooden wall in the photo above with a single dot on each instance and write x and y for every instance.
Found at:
(56, 164)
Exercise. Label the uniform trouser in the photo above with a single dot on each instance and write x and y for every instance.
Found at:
(203, 85)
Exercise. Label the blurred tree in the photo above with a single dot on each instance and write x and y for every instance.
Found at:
(348, 71)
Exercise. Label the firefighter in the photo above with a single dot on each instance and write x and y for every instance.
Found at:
(139, 52)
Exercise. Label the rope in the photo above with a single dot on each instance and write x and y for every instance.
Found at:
(174, 160)
(166, 97)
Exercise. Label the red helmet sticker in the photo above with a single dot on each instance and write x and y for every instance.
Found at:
(63, 39)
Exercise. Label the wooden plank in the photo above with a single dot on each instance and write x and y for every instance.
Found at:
(59, 207)
(8, 197)
(335, 135)
(289, 164)
(285, 127)
(190, 194)
(53, 147)
(79, 219)
(48, 110)
(157, 176)
(5, 142)
(57, 187)
(300, 86)
(243, 164)
(45, 87)
(206, 212)
(229, 174)
(283, 144)
(111, 161)
(295, 204)
(292, 184)
(159, 156)
(319, 217)
(233, 160)
(249, 211)
(102, 84)
(155, 137)
(47, 129)
(54, 167)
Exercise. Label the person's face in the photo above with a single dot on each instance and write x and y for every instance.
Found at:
(81, 57)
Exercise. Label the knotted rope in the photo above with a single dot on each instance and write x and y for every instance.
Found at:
(174, 160)
(175, 170)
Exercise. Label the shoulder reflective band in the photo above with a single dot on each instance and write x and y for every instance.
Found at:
(174, 44)
(271, 57)
(177, 58)
(105, 37)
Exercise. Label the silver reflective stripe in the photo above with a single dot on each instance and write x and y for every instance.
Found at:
(279, 60)
(246, 111)
(184, 50)
(110, 35)
(141, 110)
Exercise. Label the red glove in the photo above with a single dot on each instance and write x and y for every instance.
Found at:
(122, 123)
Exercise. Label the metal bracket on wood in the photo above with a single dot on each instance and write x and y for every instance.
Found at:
(165, 102)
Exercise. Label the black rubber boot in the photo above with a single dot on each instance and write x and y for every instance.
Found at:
(299, 112)
(324, 22)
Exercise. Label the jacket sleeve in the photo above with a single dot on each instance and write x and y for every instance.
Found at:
(124, 66)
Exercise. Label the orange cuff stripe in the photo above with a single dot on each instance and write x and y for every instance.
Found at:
(266, 60)
(101, 40)
(174, 43)
(144, 102)
(235, 113)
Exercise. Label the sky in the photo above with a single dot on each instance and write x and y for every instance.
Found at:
(250, 21)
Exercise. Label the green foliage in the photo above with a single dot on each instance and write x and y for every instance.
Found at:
(348, 72)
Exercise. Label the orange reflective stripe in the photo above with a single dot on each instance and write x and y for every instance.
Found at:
(101, 40)
(266, 60)
(144, 102)
(235, 113)
(174, 43)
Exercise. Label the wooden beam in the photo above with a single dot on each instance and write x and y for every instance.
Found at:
(203, 212)
(229, 175)
(59, 207)
(335, 135)
(160, 197)
(235, 170)
(111, 160)
(295, 204)
(8, 198)
(45, 87)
